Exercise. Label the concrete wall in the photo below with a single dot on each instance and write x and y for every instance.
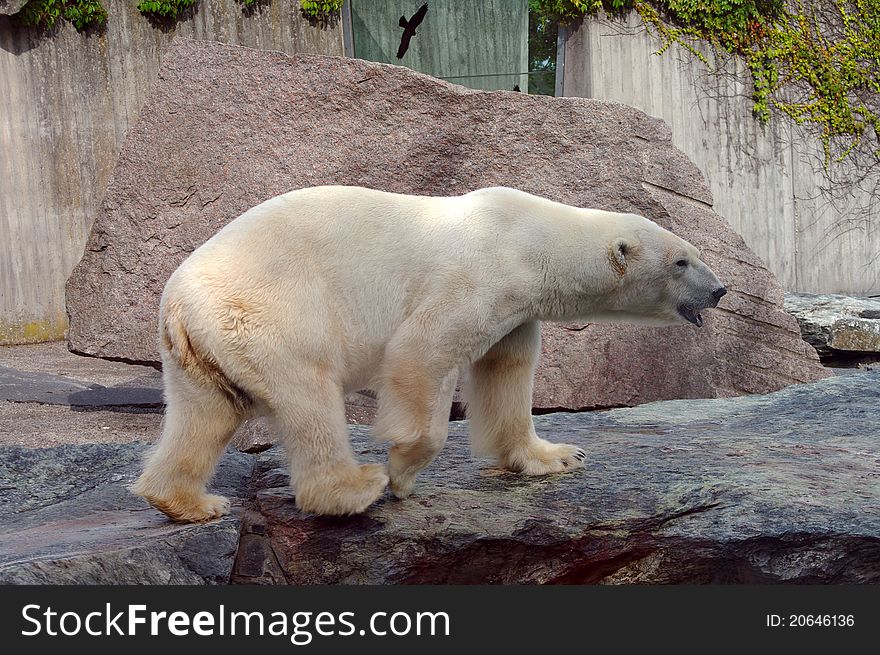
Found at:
(763, 178)
(66, 102)
(475, 44)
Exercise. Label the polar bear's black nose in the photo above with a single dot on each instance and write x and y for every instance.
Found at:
(718, 293)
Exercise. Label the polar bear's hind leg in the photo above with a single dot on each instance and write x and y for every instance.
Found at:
(199, 422)
(309, 415)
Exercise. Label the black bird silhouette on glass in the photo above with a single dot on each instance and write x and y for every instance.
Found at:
(409, 29)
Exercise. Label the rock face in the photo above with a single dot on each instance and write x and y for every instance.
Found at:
(835, 324)
(782, 488)
(229, 127)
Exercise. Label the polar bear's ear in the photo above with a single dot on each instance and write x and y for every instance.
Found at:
(618, 252)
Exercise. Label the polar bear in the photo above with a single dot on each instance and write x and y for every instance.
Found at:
(326, 290)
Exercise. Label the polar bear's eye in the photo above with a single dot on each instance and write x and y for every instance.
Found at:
(681, 262)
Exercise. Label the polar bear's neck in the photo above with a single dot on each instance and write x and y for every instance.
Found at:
(556, 255)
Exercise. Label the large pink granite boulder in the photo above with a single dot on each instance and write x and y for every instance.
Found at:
(228, 127)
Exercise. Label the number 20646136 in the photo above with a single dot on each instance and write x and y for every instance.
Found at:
(810, 621)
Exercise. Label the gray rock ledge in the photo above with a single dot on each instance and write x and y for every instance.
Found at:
(779, 488)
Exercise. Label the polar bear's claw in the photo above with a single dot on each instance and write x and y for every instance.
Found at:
(540, 457)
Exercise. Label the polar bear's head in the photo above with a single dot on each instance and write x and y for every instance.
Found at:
(661, 278)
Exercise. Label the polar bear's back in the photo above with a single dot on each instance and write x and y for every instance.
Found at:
(350, 227)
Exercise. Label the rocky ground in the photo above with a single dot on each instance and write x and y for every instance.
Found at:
(783, 487)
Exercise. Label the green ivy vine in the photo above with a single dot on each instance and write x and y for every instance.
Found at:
(321, 11)
(816, 62)
(44, 14)
(165, 10)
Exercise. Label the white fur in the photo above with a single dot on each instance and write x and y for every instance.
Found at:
(323, 291)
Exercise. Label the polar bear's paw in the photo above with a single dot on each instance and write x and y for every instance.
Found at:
(539, 457)
(402, 483)
(404, 463)
(189, 507)
(341, 492)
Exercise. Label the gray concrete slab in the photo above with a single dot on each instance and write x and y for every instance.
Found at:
(50, 397)
(46, 388)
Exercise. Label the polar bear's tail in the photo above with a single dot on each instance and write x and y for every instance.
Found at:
(197, 363)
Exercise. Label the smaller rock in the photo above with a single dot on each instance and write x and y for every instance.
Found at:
(10, 7)
(835, 324)
(253, 436)
(777, 488)
(360, 408)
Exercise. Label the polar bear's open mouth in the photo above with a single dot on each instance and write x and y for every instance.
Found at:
(691, 314)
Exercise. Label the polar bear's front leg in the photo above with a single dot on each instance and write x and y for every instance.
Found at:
(414, 449)
(499, 402)
(418, 380)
